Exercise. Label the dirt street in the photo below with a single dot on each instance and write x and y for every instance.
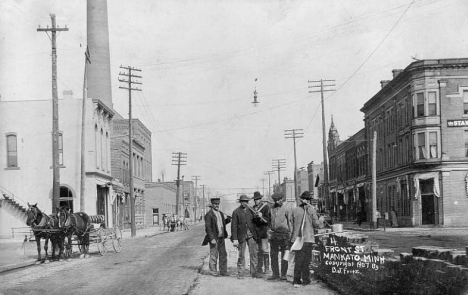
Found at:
(164, 264)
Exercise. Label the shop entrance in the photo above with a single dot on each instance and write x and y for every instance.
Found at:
(427, 201)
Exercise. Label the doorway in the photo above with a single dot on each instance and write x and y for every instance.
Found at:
(66, 198)
(427, 201)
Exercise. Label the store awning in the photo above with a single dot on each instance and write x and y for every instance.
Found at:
(425, 176)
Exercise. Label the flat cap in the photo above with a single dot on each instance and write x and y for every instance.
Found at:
(277, 196)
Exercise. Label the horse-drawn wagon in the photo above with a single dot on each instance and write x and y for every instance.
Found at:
(97, 234)
(102, 236)
(65, 229)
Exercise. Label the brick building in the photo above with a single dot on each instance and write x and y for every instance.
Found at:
(421, 120)
(160, 200)
(142, 169)
(189, 203)
(348, 175)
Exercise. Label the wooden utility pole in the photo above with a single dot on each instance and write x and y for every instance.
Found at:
(374, 180)
(129, 80)
(269, 185)
(294, 133)
(55, 114)
(279, 164)
(263, 185)
(178, 159)
(324, 136)
(197, 208)
(83, 131)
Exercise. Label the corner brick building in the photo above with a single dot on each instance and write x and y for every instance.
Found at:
(421, 120)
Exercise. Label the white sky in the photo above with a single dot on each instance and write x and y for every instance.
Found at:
(199, 61)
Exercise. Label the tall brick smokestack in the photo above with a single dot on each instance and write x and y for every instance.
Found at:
(99, 74)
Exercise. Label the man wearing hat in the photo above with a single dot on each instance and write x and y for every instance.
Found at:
(304, 221)
(279, 232)
(261, 220)
(243, 233)
(215, 228)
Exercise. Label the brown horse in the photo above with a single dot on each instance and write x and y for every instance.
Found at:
(47, 228)
(77, 224)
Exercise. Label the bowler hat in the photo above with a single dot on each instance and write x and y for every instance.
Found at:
(306, 195)
(215, 200)
(243, 198)
(257, 196)
(277, 196)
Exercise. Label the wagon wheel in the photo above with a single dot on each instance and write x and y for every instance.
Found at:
(117, 244)
(102, 247)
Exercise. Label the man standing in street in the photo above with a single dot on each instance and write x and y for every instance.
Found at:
(279, 236)
(304, 221)
(215, 227)
(243, 233)
(261, 220)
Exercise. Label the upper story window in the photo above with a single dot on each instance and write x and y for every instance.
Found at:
(465, 102)
(466, 143)
(425, 104)
(421, 152)
(426, 145)
(419, 105)
(433, 144)
(12, 150)
(432, 103)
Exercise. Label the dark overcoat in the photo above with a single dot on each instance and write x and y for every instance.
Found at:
(241, 220)
(211, 226)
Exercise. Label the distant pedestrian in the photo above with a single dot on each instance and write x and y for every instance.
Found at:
(215, 228)
(173, 223)
(279, 236)
(393, 218)
(304, 221)
(185, 223)
(360, 217)
(261, 221)
(164, 222)
(243, 234)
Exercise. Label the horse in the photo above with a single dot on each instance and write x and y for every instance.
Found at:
(47, 228)
(77, 224)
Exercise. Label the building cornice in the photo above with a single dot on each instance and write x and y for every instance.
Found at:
(401, 80)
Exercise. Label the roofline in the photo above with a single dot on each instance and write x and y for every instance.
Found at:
(419, 65)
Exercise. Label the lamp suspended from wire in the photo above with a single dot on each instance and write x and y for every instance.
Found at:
(255, 102)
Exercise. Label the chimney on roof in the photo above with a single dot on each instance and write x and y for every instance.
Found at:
(384, 83)
(396, 72)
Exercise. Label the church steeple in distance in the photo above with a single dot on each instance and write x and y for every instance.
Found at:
(333, 136)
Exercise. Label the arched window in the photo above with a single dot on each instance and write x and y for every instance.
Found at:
(102, 149)
(107, 149)
(97, 148)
